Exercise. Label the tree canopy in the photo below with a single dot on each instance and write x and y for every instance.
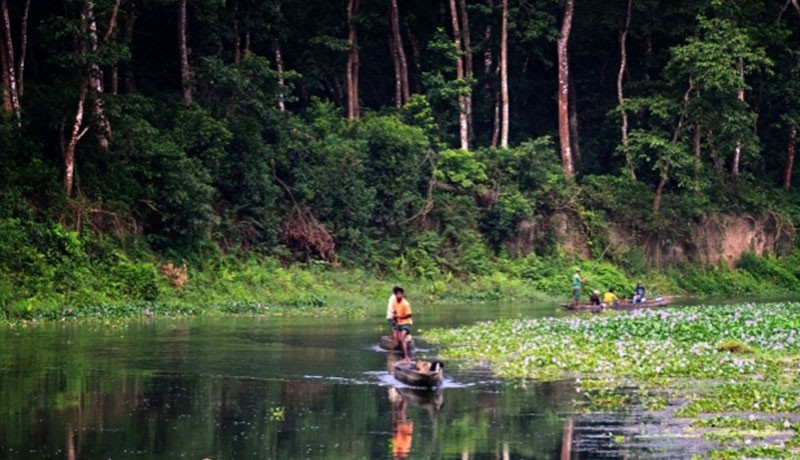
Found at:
(363, 131)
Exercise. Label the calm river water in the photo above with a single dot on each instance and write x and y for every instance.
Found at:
(259, 388)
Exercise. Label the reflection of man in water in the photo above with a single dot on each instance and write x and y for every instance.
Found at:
(403, 426)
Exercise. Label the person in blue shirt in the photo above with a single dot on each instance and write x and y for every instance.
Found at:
(639, 293)
(577, 283)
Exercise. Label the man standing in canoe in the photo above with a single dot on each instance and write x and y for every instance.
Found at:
(577, 283)
(390, 312)
(402, 319)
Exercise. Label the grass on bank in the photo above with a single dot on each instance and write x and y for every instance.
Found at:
(48, 272)
(77, 287)
(712, 360)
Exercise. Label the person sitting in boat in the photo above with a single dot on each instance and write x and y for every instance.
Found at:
(594, 297)
(609, 298)
(639, 293)
(390, 312)
(402, 319)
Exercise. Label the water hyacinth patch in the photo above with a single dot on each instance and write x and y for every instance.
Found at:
(738, 359)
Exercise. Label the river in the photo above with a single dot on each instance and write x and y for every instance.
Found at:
(285, 388)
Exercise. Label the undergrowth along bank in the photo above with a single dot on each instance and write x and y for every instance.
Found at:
(78, 284)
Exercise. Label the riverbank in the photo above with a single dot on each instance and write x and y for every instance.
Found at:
(731, 369)
(120, 286)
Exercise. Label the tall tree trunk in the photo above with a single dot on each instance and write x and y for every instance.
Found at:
(648, 55)
(664, 172)
(11, 104)
(401, 71)
(504, 106)
(8, 106)
(574, 134)
(130, 19)
(697, 146)
(737, 151)
(468, 66)
(237, 42)
(563, 90)
(23, 50)
(488, 58)
(718, 166)
(111, 32)
(95, 78)
(352, 61)
(76, 134)
(790, 151)
(497, 120)
(282, 82)
(623, 64)
(463, 121)
(112, 22)
(416, 59)
(398, 85)
(186, 71)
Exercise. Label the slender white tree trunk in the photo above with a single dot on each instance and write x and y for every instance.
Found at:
(23, 50)
(95, 78)
(10, 92)
(563, 90)
(468, 66)
(737, 151)
(352, 61)
(281, 81)
(790, 152)
(463, 120)
(76, 134)
(504, 110)
(623, 63)
(398, 51)
(186, 71)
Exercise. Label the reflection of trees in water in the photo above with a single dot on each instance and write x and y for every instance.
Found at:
(84, 402)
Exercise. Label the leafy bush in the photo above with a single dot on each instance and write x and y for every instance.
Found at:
(136, 281)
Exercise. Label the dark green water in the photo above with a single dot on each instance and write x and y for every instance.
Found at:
(257, 388)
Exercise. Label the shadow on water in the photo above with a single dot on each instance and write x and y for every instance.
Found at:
(231, 388)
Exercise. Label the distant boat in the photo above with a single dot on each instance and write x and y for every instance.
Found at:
(423, 374)
(389, 344)
(624, 304)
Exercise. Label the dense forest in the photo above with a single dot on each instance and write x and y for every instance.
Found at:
(430, 136)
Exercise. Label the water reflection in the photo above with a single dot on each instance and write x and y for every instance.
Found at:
(236, 388)
(403, 426)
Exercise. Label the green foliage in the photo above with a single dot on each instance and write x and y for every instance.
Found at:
(767, 269)
(265, 137)
(138, 281)
(717, 280)
(460, 168)
(501, 222)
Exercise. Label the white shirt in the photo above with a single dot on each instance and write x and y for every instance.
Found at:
(390, 307)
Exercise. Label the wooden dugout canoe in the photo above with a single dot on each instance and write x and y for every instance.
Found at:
(422, 374)
(389, 344)
(624, 304)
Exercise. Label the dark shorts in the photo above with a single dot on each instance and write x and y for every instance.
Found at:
(403, 327)
(576, 293)
(391, 323)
